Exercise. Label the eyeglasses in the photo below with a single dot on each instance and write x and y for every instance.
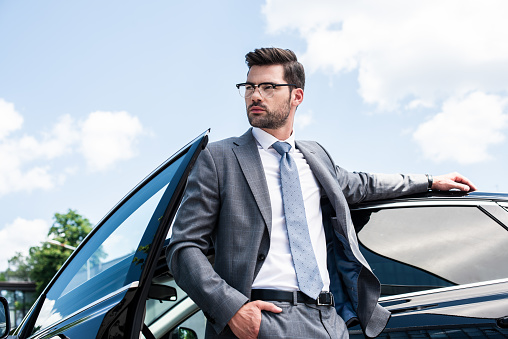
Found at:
(266, 89)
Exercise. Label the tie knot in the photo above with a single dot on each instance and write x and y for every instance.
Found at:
(281, 147)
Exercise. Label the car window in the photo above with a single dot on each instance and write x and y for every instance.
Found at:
(163, 316)
(197, 323)
(155, 309)
(113, 257)
(416, 248)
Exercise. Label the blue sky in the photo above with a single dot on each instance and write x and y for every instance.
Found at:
(96, 94)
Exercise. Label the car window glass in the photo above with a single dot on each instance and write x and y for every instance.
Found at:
(170, 231)
(113, 257)
(499, 214)
(425, 247)
(197, 323)
(163, 316)
(155, 309)
(119, 248)
(504, 205)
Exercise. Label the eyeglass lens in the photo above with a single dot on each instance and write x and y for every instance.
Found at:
(247, 91)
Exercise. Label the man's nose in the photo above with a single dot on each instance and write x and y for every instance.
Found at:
(256, 96)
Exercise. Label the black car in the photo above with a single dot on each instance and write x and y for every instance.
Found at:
(441, 259)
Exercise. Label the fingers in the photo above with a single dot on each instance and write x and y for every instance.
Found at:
(461, 182)
(245, 323)
(450, 181)
(267, 306)
(465, 181)
(464, 188)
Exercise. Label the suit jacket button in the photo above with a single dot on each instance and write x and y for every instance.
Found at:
(261, 257)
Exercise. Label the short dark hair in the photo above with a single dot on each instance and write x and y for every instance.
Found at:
(293, 70)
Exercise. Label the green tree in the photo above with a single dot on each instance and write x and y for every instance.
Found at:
(18, 268)
(70, 228)
(45, 260)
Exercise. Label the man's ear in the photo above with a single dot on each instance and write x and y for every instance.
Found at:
(297, 96)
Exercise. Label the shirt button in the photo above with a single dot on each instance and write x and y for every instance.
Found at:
(261, 257)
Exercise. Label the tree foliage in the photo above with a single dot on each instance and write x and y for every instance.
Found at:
(70, 228)
(45, 260)
(18, 268)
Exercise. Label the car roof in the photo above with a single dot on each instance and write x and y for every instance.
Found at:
(441, 196)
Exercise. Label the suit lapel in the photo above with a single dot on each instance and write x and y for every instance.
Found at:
(325, 173)
(320, 170)
(247, 154)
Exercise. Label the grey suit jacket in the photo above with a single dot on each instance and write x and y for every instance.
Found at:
(227, 207)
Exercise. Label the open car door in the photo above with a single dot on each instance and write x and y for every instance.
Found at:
(102, 288)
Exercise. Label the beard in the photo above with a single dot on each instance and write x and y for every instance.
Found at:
(272, 119)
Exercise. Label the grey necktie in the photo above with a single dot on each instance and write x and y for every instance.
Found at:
(307, 271)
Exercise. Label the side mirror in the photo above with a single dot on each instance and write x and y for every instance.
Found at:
(184, 333)
(5, 321)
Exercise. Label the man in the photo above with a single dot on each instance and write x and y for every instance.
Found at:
(276, 213)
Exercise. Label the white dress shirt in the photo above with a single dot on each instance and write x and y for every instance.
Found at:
(278, 271)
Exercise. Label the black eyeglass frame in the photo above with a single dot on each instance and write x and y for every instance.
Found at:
(260, 84)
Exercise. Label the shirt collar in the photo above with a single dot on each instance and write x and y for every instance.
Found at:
(266, 140)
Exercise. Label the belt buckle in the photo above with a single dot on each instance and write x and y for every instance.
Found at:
(325, 299)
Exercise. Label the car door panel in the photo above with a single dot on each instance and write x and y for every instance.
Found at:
(91, 316)
(487, 300)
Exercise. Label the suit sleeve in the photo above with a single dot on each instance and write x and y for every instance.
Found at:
(192, 237)
(359, 186)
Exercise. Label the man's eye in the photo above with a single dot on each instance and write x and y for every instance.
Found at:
(268, 86)
(249, 87)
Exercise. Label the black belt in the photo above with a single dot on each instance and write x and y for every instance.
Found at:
(324, 298)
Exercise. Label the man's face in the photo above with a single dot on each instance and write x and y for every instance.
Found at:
(268, 113)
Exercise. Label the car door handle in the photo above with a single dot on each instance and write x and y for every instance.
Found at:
(60, 336)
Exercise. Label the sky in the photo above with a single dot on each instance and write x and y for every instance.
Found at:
(94, 95)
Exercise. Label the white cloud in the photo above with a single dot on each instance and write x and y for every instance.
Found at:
(403, 50)
(10, 120)
(108, 137)
(464, 129)
(103, 138)
(13, 238)
(24, 160)
(414, 104)
(441, 55)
